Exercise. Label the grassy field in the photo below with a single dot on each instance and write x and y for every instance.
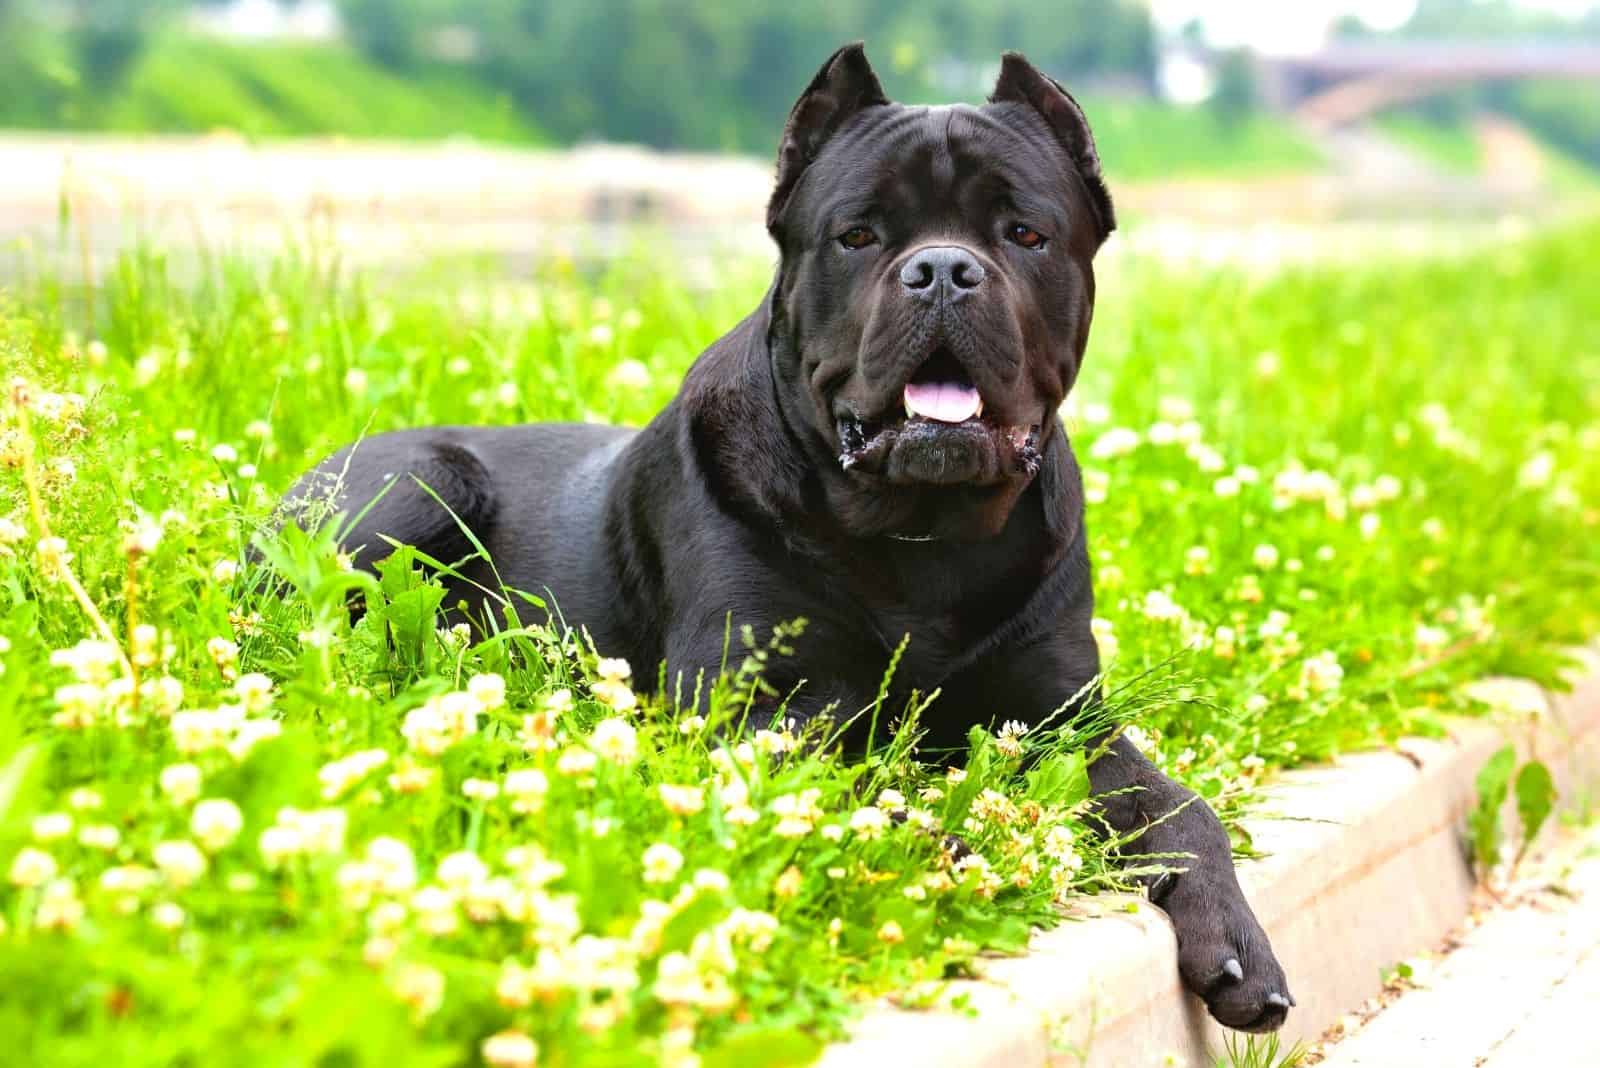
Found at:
(1140, 140)
(235, 828)
(194, 85)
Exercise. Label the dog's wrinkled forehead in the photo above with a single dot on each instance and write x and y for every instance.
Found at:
(940, 169)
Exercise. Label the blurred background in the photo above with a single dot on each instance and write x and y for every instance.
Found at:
(1257, 131)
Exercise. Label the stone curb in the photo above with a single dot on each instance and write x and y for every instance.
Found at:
(1365, 865)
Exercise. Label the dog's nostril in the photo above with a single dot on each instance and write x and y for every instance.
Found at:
(917, 274)
(942, 269)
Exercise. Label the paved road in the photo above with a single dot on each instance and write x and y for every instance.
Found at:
(1521, 991)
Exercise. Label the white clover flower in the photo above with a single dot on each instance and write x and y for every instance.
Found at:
(1265, 557)
(661, 863)
(629, 375)
(1430, 641)
(142, 539)
(616, 740)
(180, 861)
(869, 823)
(576, 763)
(216, 822)
(32, 867)
(615, 694)
(613, 667)
(527, 788)
(225, 454)
(461, 869)
(489, 690)
(59, 908)
(1105, 637)
(681, 800)
(225, 654)
(279, 844)
(711, 881)
(1175, 409)
(254, 691)
(1115, 442)
(1322, 673)
(101, 836)
(510, 1049)
(168, 916)
(1537, 471)
(51, 826)
(753, 929)
(419, 987)
(53, 557)
(321, 831)
(180, 782)
(1226, 486)
(1139, 738)
(394, 863)
(249, 733)
(1009, 738)
(1159, 606)
(339, 776)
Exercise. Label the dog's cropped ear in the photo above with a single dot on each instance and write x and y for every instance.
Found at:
(1022, 83)
(843, 87)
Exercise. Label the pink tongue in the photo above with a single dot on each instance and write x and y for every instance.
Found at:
(948, 402)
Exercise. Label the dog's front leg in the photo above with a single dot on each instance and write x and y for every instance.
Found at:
(1223, 954)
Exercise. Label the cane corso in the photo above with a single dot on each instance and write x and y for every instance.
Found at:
(875, 449)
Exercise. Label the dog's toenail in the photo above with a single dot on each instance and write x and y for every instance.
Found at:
(1232, 970)
(1279, 1000)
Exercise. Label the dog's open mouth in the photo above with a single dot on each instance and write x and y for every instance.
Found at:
(942, 437)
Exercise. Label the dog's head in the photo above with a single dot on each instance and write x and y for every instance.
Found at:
(935, 289)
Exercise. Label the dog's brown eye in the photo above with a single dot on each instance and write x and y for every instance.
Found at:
(1026, 236)
(858, 237)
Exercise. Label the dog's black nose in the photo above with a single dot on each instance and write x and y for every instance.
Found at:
(941, 272)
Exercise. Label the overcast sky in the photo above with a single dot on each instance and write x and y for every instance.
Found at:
(1298, 25)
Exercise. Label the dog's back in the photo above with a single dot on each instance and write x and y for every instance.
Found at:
(427, 488)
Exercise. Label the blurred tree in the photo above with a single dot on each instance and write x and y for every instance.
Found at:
(1236, 93)
(107, 35)
(721, 76)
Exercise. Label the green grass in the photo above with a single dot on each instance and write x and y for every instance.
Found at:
(1318, 503)
(1451, 146)
(197, 85)
(1141, 139)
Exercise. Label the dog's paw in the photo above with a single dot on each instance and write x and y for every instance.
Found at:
(1223, 954)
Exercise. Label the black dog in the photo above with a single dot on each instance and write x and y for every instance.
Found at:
(875, 449)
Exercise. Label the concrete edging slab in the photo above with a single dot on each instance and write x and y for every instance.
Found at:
(1365, 866)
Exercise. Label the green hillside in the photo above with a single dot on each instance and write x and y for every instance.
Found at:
(186, 84)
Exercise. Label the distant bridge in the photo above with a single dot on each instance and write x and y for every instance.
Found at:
(1347, 81)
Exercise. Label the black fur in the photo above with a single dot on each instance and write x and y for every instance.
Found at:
(784, 481)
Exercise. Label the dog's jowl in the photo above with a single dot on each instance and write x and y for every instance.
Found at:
(875, 449)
